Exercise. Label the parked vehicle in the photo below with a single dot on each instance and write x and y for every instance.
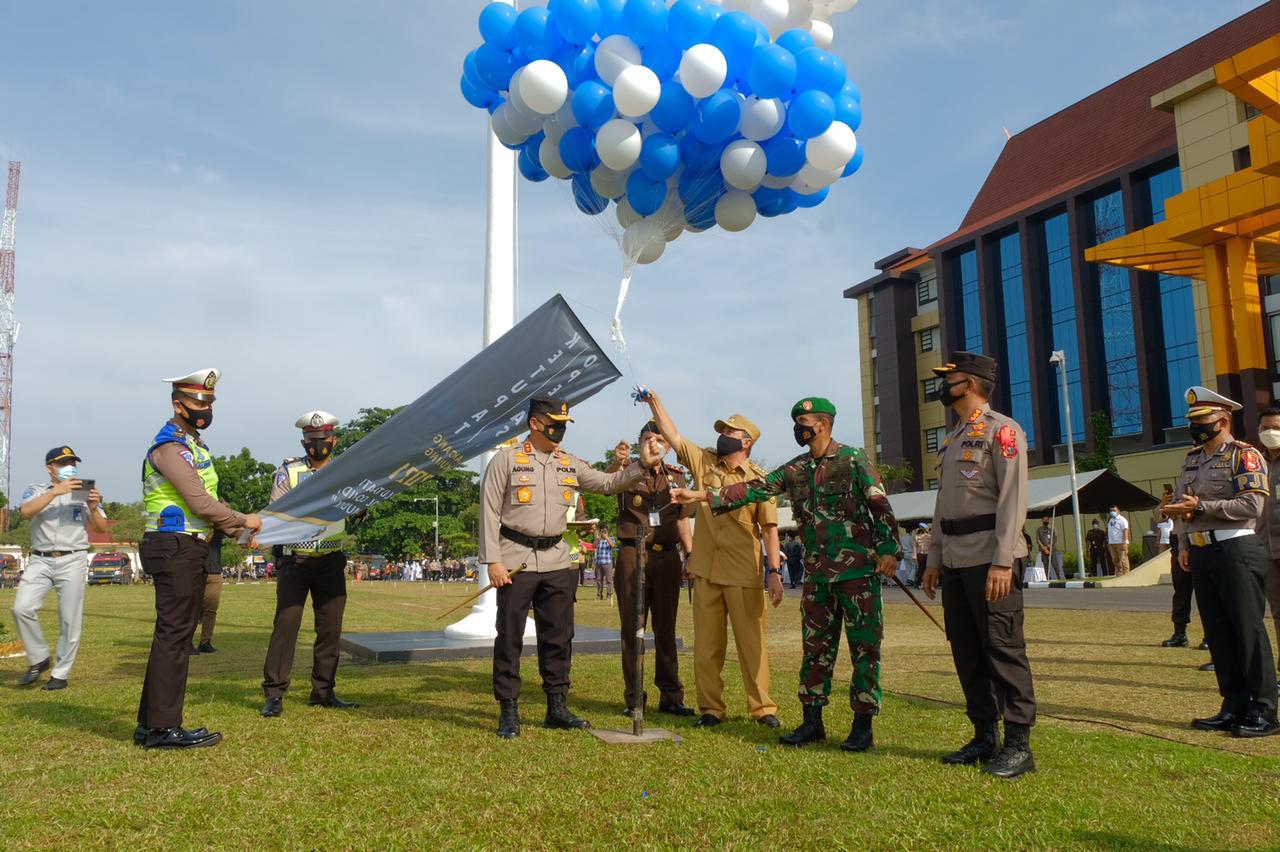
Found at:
(110, 569)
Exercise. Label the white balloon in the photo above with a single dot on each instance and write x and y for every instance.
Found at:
(822, 33)
(672, 228)
(520, 122)
(608, 183)
(643, 241)
(775, 182)
(798, 17)
(762, 119)
(636, 91)
(618, 143)
(832, 149)
(702, 70)
(613, 55)
(543, 86)
(648, 128)
(817, 178)
(501, 123)
(772, 13)
(627, 215)
(549, 157)
(736, 210)
(743, 164)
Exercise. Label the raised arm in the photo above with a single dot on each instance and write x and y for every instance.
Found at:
(666, 425)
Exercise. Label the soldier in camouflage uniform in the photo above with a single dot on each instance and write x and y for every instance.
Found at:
(848, 527)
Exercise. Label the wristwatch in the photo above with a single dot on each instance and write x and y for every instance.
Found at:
(777, 571)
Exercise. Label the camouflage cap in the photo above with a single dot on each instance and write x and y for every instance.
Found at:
(813, 405)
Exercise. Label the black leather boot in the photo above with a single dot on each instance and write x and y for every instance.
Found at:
(1177, 640)
(1014, 758)
(559, 716)
(860, 738)
(509, 718)
(811, 729)
(980, 749)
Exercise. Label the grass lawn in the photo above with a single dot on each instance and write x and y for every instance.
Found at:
(418, 765)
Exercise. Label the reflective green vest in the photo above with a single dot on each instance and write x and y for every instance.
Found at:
(165, 508)
(297, 470)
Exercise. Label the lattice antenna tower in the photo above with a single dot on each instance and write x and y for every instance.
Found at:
(8, 321)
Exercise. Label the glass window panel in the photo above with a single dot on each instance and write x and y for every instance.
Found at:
(1062, 318)
(970, 305)
(1017, 362)
(1116, 307)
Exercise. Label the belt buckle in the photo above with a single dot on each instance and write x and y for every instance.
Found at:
(657, 548)
(1200, 539)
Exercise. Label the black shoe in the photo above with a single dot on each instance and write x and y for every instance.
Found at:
(273, 707)
(1223, 721)
(859, 738)
(206, 648)
(1014, 758)
(1254, 725)
(559, 716)
(55, 683)
(174, 738)
(509, 719)
(33, 673)
(1204, 644)
(769, 721)
(140, 734)
(811, 730)
(629, 713)
(328, 699)
(1208, 667)
(706, 720)
(980, 749)
(1177, 640)
(677, 709)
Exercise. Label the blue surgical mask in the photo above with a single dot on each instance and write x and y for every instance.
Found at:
(1113, 514)
(67, 472)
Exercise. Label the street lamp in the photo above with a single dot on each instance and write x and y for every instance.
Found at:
(1059, 357)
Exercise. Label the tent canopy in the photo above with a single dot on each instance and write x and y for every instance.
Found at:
(1099, 491)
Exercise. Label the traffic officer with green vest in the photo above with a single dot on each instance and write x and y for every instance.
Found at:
(179, 488)
(316, 567)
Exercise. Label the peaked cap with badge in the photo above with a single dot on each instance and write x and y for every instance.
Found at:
(317, 424)
(1202, 401)
(551, 408)
(972, 363)
(198, 385)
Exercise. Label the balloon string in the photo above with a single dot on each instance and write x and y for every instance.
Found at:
(615, 332)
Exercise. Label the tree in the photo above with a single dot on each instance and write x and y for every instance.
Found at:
(129, 521)
(896, 476)
(1101, 458)
(365, 422)
(405, 524)
(243, 481)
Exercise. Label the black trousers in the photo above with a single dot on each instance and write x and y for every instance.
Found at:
(552, 595)
(176, 564)
(1183, 586)
(662, 602)
(1229, 578)
(324, 578)
(795, 572)
(988, 647)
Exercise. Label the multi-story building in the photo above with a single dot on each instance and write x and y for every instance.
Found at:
(1137, 328)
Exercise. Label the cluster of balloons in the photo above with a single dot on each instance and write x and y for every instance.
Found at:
(685, 114)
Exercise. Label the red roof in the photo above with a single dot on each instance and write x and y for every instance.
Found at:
(1106, 131)
(97, 538)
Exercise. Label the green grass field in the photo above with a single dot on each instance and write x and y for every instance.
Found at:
(418, 765)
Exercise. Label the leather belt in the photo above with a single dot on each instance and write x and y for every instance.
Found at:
(964, 526)
(545, 542)
(1204, 538)
(55, 554)
(654, 546)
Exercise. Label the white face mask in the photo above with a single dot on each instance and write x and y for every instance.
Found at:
(67, 472)
(1270, 438)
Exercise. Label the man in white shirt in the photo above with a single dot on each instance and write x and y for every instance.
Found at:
(1163, 529)
(1118, 541)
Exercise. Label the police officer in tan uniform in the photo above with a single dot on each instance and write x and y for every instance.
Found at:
(527, 492)
(977, 537)
(1219, 498)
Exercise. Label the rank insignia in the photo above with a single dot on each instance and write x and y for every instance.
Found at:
(528, 448)
(970, 473)
(968, 456)
(522, 459)
(524, 495)
(568, 496)
(978, 426)
(525, 478)
(569, 480)
(1008, 441)
(976, 415)
(637, 501)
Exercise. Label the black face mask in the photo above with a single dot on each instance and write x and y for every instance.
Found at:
(197, 420)
(554, 431)
(1203, 433)
(726, 446)
(804, 434)
(317, 450)
(944, 395)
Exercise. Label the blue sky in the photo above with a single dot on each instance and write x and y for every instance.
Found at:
(294, 192)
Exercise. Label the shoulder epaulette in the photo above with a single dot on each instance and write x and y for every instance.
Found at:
(757, 469)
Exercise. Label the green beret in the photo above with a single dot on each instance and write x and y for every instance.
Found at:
(813, 405)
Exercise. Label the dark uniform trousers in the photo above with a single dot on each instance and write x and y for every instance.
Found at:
(662, 600)
(988, 647)
(324, 578)
(176, 563)
(1229, 577)
(1183, 586)
(552, 595)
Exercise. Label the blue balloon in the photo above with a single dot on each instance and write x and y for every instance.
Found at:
(795, 41)
(578, 63)
(701, 216)
(481, 98)
(689, 22)
(851, 89)
(806, 201)
(610, 17)
(578, 150)
(497, 25)
(820, 69)
(530, 164)
(592, 104)
(674, 109)
(644, 193)
(855, 162)
(471, 74)
(662, 57)
(849, 111)
(735, 34)
(577, 20)
(588, 200)
(536, 34)
(493, 107)
(718, 116)
(769, 202)
(810, 114)
(772, 72)
(494, 67)
(784, 155)
(660, 156)
(698, 155)
(700, 187)
(644, 20)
